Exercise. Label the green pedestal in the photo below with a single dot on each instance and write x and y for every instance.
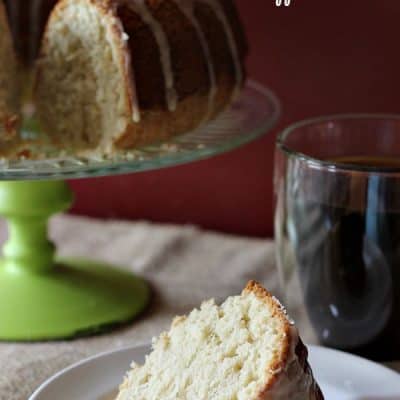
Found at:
(42, 299)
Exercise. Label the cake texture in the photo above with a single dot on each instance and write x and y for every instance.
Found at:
(245, 349)
(116, 74)
(9, 87)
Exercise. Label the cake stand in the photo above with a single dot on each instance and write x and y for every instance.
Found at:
(43, 297)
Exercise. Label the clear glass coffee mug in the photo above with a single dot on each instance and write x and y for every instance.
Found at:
(337, 226)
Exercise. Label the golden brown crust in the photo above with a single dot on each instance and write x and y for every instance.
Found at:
(191, 78)
(189, 66)
(291, 343)
(143, 72)
(158, 126)
(281, 358)
(9, 89)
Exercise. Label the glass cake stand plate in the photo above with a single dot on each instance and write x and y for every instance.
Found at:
(42, 297)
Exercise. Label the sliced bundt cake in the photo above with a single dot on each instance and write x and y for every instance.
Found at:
(9, 87)
(245, 349)
(121, 73)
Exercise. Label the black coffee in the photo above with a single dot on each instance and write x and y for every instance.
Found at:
(347, 248)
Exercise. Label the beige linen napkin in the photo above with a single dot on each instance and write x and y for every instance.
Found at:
(184, 265)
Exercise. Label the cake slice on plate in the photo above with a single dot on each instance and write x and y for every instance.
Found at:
(9, 93)
(245, 349)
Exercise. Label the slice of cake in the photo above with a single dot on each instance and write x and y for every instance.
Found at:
(9, 92)
(245, 349)
(116, 74)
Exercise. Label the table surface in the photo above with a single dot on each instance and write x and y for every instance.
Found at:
(184, 266)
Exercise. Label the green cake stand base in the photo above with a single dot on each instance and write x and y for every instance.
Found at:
(42, 298)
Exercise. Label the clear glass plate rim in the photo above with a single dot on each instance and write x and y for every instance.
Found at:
(46, 170)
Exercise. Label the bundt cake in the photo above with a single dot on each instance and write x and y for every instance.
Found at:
(245, 349)
(115, 74)
(9, 93)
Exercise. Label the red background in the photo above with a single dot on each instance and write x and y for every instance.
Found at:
(320, 57)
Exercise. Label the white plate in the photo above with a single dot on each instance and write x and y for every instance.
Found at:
(342, 377)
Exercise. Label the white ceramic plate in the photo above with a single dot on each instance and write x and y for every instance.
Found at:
(342, 377)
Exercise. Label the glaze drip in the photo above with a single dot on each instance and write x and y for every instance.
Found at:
(220, 14)
(141, 8)
(130, 72)
(187, 8)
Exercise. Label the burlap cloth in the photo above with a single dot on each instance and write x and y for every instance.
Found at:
(184, 266)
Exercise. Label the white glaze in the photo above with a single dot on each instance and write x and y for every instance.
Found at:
(134, 99)
(220, 14)
(187, 8)
(129, 70)
(293, 381)
(125, 36)
(130, 73)
(141, 8)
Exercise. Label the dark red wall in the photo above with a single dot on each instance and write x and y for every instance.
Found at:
(319, 56)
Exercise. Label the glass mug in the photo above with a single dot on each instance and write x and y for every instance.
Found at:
(337, 226)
